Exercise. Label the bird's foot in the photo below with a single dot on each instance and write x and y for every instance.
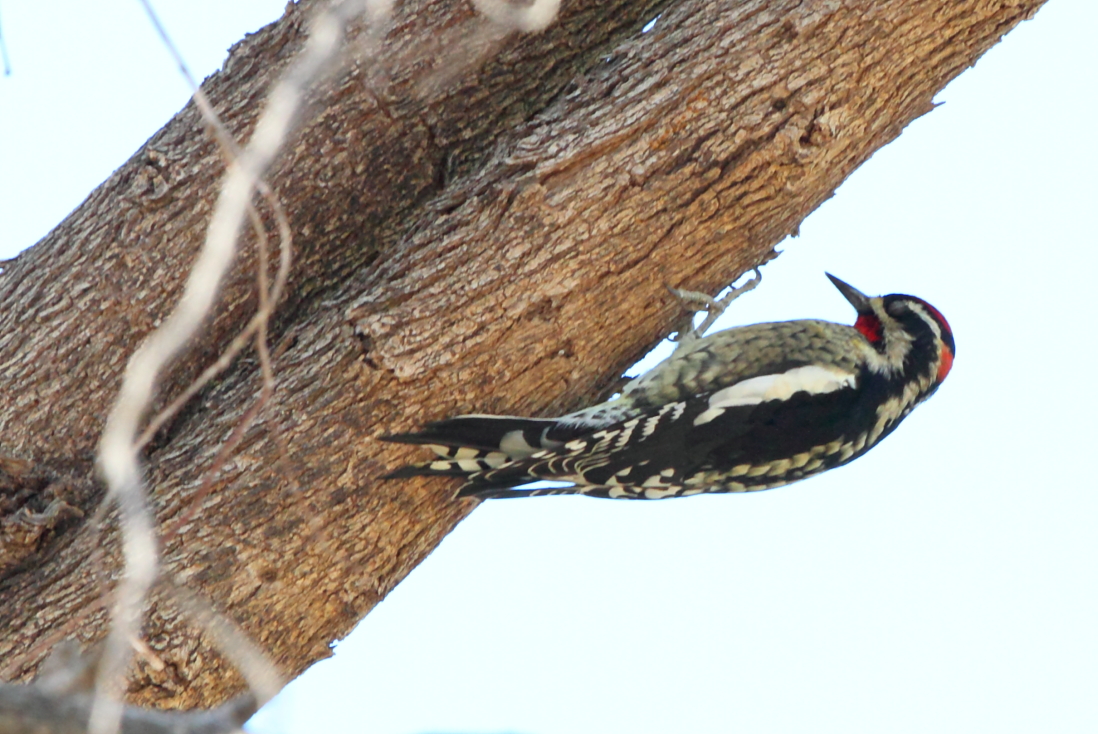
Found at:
(713, 308)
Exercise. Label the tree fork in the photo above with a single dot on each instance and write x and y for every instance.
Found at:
(497, 240)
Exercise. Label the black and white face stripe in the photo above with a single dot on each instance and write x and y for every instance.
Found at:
(927, 331)
(931, 316)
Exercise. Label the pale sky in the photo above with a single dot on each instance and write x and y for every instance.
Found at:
(945, 582)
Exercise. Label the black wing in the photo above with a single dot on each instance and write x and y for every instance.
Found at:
(687, 448)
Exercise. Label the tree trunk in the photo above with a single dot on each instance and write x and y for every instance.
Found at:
(491, 239)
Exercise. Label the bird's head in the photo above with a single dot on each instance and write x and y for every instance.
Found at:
(906, 331)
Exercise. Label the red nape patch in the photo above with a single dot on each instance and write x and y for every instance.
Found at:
(870, 326)
(946, 364)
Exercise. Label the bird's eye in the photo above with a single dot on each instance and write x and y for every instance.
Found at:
(897, 307)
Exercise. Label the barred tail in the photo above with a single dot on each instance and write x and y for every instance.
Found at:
(453, 461)
(513, 435)
(489, 451)
(479, 469)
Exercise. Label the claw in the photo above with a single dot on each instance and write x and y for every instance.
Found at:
(713, 308)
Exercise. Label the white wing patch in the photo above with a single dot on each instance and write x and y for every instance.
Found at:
(812, 379)
(514, 444)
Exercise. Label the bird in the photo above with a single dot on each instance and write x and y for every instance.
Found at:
(743, 409)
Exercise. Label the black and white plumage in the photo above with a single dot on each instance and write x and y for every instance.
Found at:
(744, 409)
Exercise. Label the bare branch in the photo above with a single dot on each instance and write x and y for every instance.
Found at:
(473, 242)
(267, 300)
(118, 449)
(31, 710)
(526, 18)
(256, 667)
(61, 700)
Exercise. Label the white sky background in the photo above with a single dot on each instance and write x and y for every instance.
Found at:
(945, 582)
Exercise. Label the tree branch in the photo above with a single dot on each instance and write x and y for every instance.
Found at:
(499, 240)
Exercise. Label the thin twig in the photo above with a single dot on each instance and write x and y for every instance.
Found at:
(4, 55)
(118, 453)
(267, 299)
(120, 444)
(257, 668)
(528, 18)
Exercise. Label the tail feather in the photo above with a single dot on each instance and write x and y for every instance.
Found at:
(467, 462)
(483, 432)
(496, 493)
(491, 452)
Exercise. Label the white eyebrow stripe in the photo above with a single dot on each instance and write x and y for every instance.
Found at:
(812, 379)
(925, 315)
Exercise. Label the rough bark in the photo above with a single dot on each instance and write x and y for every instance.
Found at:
(496, 242)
